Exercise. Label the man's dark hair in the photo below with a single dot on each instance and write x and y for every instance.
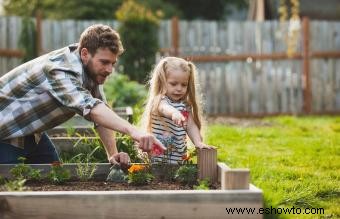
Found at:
(101, 36)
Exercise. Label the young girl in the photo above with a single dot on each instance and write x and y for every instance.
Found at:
(172, 109)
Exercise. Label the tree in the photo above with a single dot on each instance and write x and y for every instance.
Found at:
(25, 8)
(63, 9)
(203, 9)
(81, 9)
(138, 30)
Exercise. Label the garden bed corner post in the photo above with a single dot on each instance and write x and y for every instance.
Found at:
(207, 164)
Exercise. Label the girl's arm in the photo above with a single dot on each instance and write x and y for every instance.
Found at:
(195, 134)
(171, 112)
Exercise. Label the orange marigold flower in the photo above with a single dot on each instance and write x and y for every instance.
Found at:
(135, 168)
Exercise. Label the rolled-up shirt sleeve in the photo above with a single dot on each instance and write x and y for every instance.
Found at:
(67, 89)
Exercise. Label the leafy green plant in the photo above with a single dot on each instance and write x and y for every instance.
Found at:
(139, 175)
(58, 174)
(2, 180)
(127, 144)
(85, 150)
(187, 174)
(202, 185)
(85, 171)
(24, 171)
(120, 91)
(15, 185)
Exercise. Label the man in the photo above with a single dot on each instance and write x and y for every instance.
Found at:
(47, 91)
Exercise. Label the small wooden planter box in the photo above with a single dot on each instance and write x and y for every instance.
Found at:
(133, 204)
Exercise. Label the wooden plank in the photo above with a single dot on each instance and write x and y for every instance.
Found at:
(207, 164)
(175, 35)
(130, 204)
(81, 130)
(240, 57)
(307, 93)
(68, 143)
(233, 178)
(325, 55)
(38, 27)
(11, 53)
(221, 168)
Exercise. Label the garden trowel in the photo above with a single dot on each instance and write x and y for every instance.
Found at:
(117, 174)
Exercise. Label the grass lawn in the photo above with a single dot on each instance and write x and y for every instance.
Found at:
(294, 160)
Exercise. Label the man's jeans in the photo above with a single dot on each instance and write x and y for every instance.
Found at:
(43, 152)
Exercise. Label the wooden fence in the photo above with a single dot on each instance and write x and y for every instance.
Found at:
(243, 66)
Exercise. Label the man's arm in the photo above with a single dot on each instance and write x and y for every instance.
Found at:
(105, 117)
(107, 137)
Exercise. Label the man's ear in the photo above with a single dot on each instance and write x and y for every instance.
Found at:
(84, 55)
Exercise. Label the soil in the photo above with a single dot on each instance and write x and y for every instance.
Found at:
(103, 186)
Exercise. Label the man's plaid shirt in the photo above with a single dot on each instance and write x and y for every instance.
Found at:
(44, 93)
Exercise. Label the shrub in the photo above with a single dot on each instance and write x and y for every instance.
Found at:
(120, 91)
(15, 185)
(58, 174)
(126, 144)
(139, 33)
(27, 40)
(24, 171)
(202, 184)
(187, 174)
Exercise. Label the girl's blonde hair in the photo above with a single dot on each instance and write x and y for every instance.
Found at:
(157, 89)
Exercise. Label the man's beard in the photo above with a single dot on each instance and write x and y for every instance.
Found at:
(88, 68)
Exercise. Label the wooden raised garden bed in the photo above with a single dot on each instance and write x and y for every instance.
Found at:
(235, 192)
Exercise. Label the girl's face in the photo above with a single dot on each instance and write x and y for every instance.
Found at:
(177, 84)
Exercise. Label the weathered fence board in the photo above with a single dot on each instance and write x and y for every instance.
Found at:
(229, 87)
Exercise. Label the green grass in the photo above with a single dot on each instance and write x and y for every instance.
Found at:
(294, 160)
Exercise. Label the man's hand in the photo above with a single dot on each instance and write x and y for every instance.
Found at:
(146, 141)
(120, 158)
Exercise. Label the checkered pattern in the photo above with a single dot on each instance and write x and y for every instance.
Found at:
(44, 93)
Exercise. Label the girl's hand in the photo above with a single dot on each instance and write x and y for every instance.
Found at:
(201, 145)
(178, 118)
